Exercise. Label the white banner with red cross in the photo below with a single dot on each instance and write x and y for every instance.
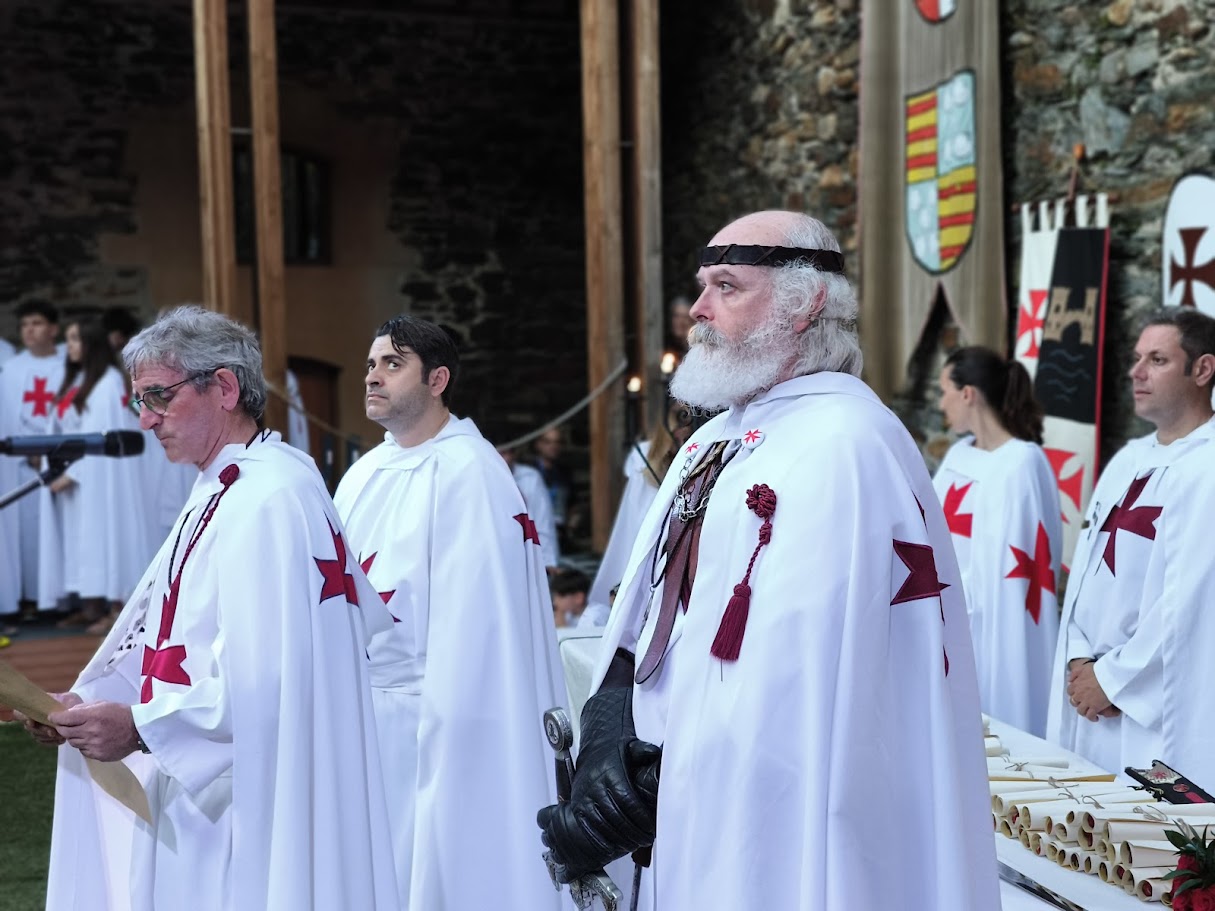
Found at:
(1060, 340)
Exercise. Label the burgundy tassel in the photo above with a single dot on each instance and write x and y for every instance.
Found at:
(729, 638)
(728, 642)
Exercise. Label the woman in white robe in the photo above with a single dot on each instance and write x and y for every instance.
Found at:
(1001, 503)
(644, 467)
(96, 541)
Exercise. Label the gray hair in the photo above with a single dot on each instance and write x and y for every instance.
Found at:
(831, 342)
(194, 341)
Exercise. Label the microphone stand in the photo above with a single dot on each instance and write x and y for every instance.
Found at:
(57, 464)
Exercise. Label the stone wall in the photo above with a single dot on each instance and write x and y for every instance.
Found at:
(483, 110)
(760, 106)
(760, 110)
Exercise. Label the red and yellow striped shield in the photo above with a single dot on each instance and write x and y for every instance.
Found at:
(939, 153)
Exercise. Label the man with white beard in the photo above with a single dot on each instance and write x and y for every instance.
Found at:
(790, 639)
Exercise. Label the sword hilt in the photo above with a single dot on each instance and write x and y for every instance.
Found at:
(598, 885)
(560, 735)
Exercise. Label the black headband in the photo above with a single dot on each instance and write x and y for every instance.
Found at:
(740, 255)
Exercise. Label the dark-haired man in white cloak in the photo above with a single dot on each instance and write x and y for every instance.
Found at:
(463, 677)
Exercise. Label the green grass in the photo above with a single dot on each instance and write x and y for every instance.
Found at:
(27, 792)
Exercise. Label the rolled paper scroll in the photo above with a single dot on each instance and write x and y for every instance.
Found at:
(1045, 773)
(1007, 792)
(1094, 818)
(1123, 800)
(1065, 807)
(1066, 832)
(1133, 876)
(993, 747)
(1153, 890)
(1073, 792)
(1144, 853)
(1189, 810)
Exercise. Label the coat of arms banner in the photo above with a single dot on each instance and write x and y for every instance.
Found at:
(931, 184)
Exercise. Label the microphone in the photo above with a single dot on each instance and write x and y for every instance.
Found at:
(73, 446)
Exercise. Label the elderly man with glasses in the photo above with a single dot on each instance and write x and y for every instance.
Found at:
(235, 681)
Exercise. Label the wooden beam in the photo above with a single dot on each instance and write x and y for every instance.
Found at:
(650, 312)
(268, 204)
(604, 253)
(214, 155)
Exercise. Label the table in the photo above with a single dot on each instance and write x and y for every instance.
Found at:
(1082, 889)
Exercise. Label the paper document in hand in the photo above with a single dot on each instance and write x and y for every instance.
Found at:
(19, 692)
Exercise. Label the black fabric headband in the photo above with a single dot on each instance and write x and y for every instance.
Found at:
(740, 255)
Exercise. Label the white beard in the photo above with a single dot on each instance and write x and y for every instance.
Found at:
(718, 373)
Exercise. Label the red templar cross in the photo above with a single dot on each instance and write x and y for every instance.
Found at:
(1139, 520)
(40, 396)
(1031, 320)
(165, 661)
(960, 523)
(922, 582)
(1037, 570)
(529, 528)
(385, 596)
(1190, 271)
(336, 580)
(62, 406)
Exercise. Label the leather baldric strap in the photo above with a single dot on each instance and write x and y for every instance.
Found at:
(682, 544)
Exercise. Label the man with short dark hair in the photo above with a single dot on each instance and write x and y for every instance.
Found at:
(789, 647)
(1119, 693)
(462, 679)
(29, 382)
(235, 680)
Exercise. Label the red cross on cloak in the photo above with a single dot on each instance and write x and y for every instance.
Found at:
(1031, 320)
(1190, 271)
(922, 582)
(1139, 520)
(529, 528)
(385, 596)
(40, 397)
(65, 403)
(1037, 570)
(165, 661)
(960, 524)
(336, 580)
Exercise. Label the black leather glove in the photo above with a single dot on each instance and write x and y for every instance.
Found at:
(613, 802)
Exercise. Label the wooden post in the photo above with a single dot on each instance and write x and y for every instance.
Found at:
(604, 254)
(214, 155)
(268, 205)
(647, 208)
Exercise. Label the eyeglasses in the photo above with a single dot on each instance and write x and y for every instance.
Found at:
(157, 398)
